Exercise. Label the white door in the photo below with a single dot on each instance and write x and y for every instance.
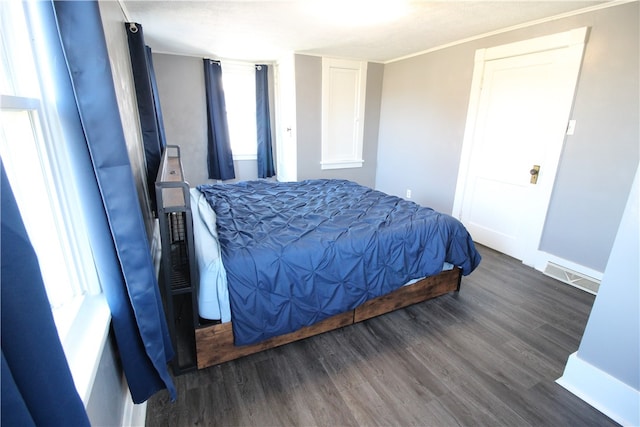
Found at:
(517, 123)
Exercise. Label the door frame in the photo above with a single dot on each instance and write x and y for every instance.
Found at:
(575, 41)
(286, 150)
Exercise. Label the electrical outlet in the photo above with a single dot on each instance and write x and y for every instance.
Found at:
(408, 193)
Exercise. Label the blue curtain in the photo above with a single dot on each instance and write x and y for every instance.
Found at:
(263, 123)
(219, 156)
(76, 52)
(37, 387)
(151, 120)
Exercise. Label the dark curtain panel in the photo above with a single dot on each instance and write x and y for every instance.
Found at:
(263, 123)
(151, 120)
(219, 156)
(37, 387)
(76, 52)
(156, 100)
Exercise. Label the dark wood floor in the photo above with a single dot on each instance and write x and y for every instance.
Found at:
(488, 355)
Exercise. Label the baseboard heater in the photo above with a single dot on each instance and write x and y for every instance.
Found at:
(571, 277)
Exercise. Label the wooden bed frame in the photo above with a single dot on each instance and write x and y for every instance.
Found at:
(214, 343)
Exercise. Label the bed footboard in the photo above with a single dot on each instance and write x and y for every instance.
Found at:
(214, 343)
(425, 289)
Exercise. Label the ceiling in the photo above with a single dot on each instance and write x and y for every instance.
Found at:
(266, 30)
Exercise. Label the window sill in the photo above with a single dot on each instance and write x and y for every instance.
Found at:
(84, 343)
(341, 164)
(245, 157)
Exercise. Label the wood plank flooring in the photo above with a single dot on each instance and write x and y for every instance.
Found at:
(488, 355)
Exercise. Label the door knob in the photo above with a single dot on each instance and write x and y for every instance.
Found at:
(534, 174)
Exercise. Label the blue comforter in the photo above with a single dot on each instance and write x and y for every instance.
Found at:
(297, 253)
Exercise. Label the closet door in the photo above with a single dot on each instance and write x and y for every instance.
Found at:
(343, 97)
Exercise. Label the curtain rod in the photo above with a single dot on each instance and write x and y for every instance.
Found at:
(208, 56)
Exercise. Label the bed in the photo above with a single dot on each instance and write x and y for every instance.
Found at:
(281, 261)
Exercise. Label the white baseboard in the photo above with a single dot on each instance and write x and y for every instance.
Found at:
(543, 258)
(133, 415)
(607, 394)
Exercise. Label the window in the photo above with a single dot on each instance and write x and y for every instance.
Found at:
(33, 167)
(34, 157)
(27, 166)
(239, 83)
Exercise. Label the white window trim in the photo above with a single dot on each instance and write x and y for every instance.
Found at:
(84, 343)
(245, 157)
(83, 323)
(342, 164)
(331, 159)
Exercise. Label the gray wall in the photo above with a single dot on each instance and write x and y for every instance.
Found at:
(611, 340)
(106, 402)
(414, 127)
(308, 71)
(423, 113)
(118, 47)
(599, 161)
(422, 119)
(182, 98)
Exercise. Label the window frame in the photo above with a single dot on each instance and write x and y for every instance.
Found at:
(83, 322)
(63, 308)
(239, 150)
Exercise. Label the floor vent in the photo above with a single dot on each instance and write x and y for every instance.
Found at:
(573, 278)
